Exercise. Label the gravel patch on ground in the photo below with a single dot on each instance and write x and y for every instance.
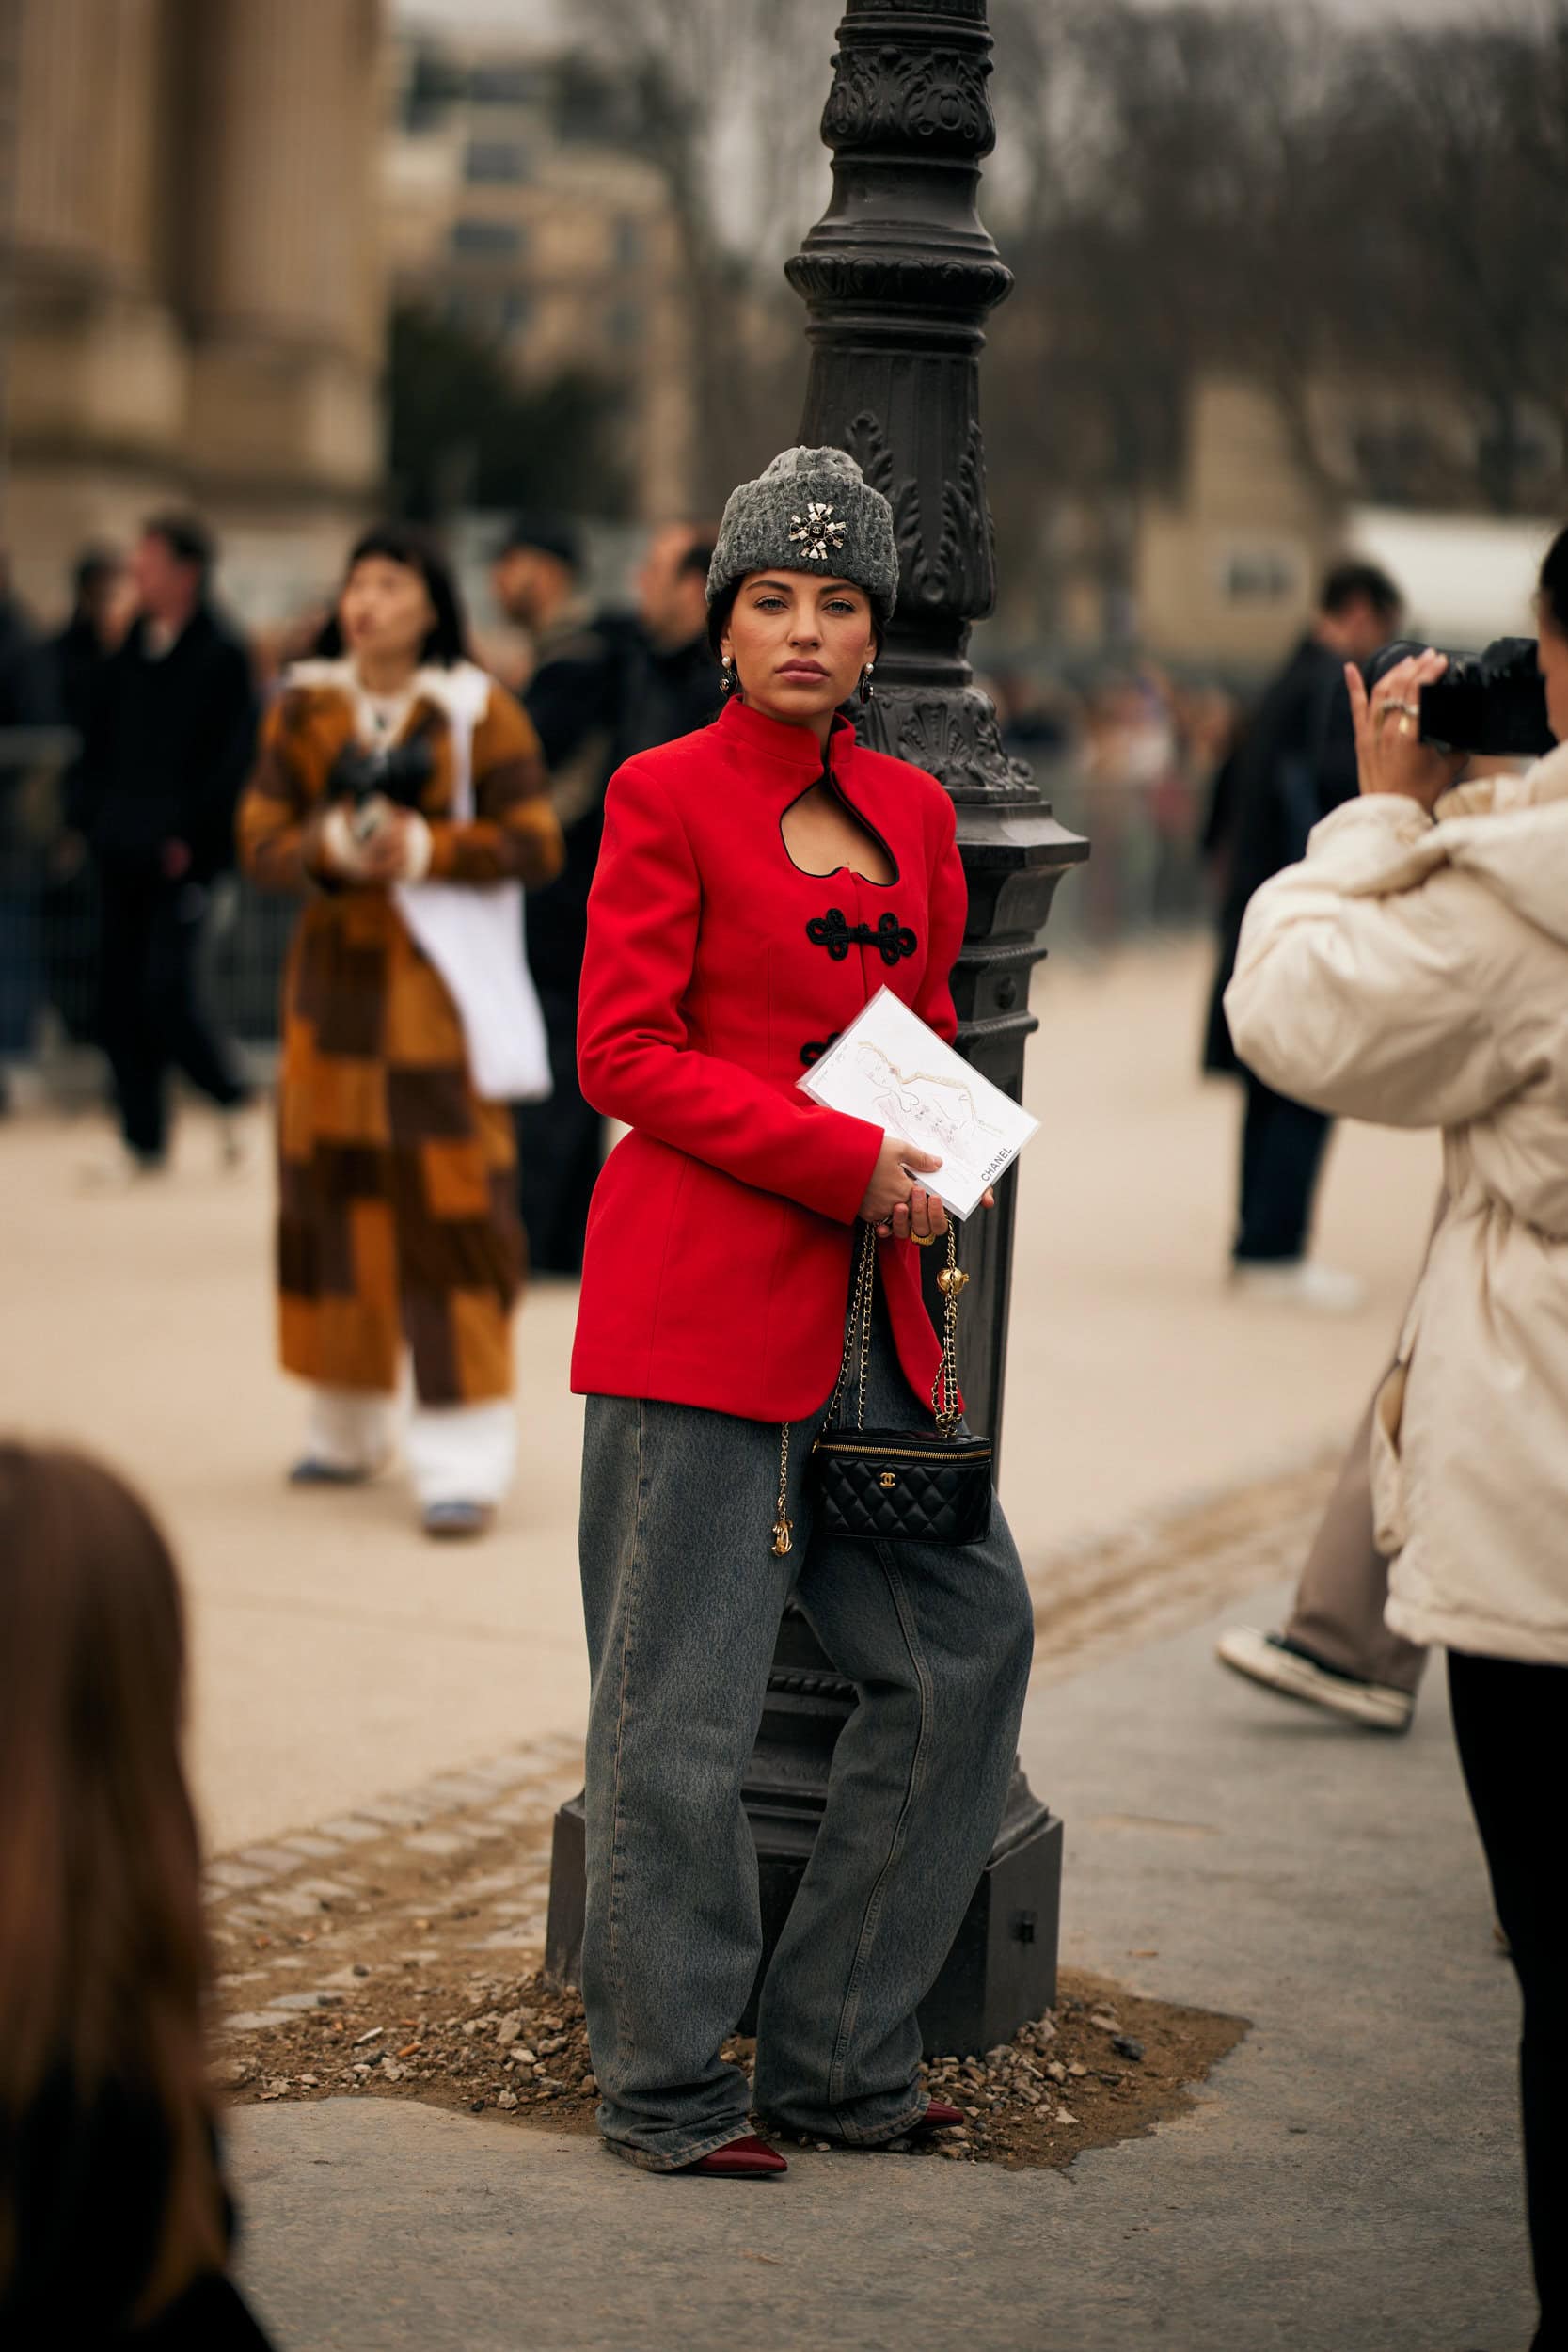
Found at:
(395, 1952)
(1102, 2066)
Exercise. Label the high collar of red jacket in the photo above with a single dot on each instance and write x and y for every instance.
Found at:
(783, 751)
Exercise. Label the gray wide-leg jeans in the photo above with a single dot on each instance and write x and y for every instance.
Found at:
(683, 1598)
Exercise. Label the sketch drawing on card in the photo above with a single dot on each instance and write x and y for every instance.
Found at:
(928, 1109)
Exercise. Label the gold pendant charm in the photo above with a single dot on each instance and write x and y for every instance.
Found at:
(783, 1531)
(952, 1281)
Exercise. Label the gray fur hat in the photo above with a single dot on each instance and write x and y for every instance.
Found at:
(812, 511)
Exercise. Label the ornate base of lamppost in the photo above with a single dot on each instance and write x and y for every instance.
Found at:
(1002, 1968)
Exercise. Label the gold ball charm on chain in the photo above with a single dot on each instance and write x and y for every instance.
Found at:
(952, 1281)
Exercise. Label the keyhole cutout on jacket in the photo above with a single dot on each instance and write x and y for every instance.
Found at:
(822, 838)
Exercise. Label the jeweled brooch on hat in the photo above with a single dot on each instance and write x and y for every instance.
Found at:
(816, 531)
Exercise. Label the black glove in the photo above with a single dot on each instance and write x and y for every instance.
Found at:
(399, 774)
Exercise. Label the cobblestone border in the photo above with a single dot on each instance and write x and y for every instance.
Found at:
(490, 1797)
(274, 1899)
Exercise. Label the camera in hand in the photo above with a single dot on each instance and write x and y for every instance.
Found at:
(1494, 701)
(398, 774)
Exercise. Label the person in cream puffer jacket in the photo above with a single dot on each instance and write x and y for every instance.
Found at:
(1415, 974)
(1413, 970)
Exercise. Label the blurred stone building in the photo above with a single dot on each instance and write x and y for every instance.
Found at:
(197, 287)
(513, 211)
(1226, 562)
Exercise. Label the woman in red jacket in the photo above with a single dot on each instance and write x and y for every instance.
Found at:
(759, 881)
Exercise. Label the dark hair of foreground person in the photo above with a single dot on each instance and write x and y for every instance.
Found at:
(1554, 583)
(114, 2223)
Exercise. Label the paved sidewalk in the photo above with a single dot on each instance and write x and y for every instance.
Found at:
(339, 1655)
(1348, 2182)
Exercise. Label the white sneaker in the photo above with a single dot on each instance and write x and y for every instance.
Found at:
(1300, 1282)
(117, 1169)
(1270, 1659)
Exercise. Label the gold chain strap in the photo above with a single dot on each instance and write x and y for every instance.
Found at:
(858, 1334)
(866, 1282)
(783, 1526)
(859, 1326)
(952, 1281)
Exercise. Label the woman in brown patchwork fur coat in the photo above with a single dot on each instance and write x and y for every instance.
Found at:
(402, 791)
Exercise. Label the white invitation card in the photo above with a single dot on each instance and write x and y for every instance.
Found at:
(889, 1068)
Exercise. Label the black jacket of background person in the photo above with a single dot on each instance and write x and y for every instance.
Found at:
(168, 751)
(89, 2182)
(1295, 763)
(78, 664)
(601, 693)
(25, 701)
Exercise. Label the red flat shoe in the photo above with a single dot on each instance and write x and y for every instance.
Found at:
(748, 2159)
(940, 2116)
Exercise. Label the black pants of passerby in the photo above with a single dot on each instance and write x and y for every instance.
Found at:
(150, 1021)
(1282, 1150)
(1511, 1721)
(561, 1142)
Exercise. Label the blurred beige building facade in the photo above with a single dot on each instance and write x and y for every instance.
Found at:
(546, 239)
(198, 291)
(1227, 565)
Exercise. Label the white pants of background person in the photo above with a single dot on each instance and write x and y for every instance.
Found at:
(455, 1452)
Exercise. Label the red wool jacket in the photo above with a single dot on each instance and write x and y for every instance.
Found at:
(722, 1228)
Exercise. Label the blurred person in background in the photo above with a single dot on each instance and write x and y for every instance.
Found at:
(570, 698)
(1414, 972)
(78, 655)
(1129, 759)
(77, 658)
(1295, 763)
(400, 790)
(26, 702)
(605, 687)
(536, 580)
(115, 2225)
(674, 683)
(170, 739)
(1036, 717)
(1208, 728)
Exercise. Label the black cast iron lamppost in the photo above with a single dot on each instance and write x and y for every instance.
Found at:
(898, 277)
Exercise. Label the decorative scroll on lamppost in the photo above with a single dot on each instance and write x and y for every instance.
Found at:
(898, 277)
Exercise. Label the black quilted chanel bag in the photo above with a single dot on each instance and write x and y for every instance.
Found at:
(895, 1485)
